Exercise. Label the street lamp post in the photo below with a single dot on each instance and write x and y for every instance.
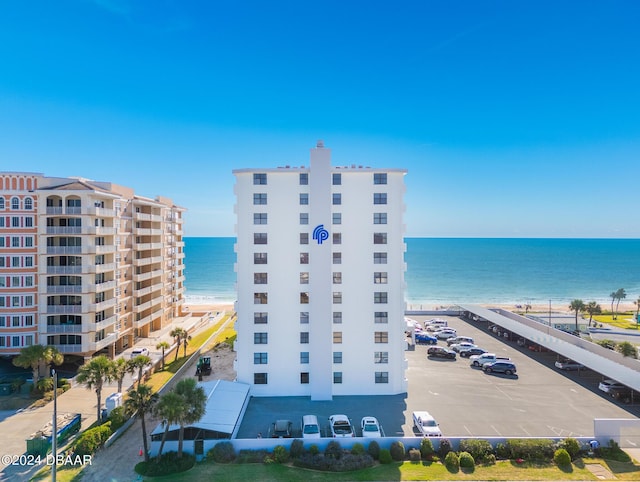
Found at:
(54, 435)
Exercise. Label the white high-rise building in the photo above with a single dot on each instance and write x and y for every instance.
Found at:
(320, 279)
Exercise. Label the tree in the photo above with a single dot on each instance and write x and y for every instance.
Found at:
(139, 363)
(169, 408)
(620, 295)
(178, 335)
(120, 370)
(34, 355)
(142, 400)
(163, 345)
(94, 374)
(185, 342)
(626, 348)
(195, 401)
(592, 308)
(637, 303)
(577, 306)
(612, 295)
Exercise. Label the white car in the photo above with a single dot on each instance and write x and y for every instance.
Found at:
(139, 352)
(445, 334)
(568, 365)
(479, 360)
(341, 426)
(462, 346)
(609, 385)
(370, 427)
(426, 424)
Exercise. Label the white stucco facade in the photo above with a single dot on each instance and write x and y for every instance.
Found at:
(320, 319)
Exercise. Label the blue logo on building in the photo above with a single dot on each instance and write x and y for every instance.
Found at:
(320, 234)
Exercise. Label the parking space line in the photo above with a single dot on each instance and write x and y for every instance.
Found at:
(496, 430)
(525, 431)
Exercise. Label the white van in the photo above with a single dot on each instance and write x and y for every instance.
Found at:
(436, 322)
(310, 426)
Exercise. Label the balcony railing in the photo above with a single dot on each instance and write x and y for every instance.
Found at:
(64, 328)
(63, 289)
(64, 309)
(65, 269)
(69, 348)
(107, 340)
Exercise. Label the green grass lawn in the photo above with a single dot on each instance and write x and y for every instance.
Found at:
(625, 320)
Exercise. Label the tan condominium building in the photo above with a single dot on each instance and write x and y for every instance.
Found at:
(85, 266)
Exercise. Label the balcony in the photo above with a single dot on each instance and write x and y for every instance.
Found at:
(147, 261)
(145, 276)
(63, 230)
(147, 246)
(148, 289)
(66, 269)
(147, 217)
(105, 249)
(142, 322)
(101, 268)
(65, 289)
(147, 231)
(68, 348)
(141, 307)
(54, 210)
(107, 285)
(64, 309)
(103, 305)
(107, 340)
(97, 211)
(64, 250)
(101, 325)
(100, 230)
(64, 329)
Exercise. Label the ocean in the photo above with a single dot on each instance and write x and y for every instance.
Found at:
(446, 271)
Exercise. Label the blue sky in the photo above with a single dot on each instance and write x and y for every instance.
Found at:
(514, 118)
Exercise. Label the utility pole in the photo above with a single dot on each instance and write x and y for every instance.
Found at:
(54, 435)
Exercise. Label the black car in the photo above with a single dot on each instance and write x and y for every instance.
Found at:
(281, 429)
(505, 367)
(441, 352)
(472, 351)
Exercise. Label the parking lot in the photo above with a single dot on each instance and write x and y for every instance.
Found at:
(540, 401)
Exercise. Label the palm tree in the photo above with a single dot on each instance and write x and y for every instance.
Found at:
(613, 295)
(34, 355)
(637, 303)
(195, 401)
(185, 342)
(138, 363)
(178, 335)
(169, 408)
(577, 306)
(592, 308)
(142, 400)
(120, 370)
(94, 374)
(620, 295)
(163, 345)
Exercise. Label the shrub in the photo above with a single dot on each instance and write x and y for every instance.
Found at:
(222, 453)
(358, 449)
(167, 463)
(385, 456)
(451, 462)
(297, 448)
(531, 449)
(502, 451)
(426, 448)
(117, 417)
(314, 450)
(466, 461)
(92, 439)
(333, 450)
(572, 446)
(280, 454)
(397, 451)
(374, 450)
(347, 462)
(414, 455)
(479, 449)
(444, 448)
(251, 456)
(562, 458)
(490, 459)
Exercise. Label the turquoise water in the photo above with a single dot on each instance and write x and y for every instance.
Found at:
(446, 271)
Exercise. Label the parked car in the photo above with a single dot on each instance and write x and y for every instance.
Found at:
(500, 366)
(568, 365)
(441, 352)
(426, 424)
(479, 360)
(341, 426)
(370, 427)
(459, 339)
(608, 385)
(469, 352)
(436, 321)
(310, 426)
(140, 351)
(624, 395)
(461, 346)
(423, 338)
(445, 334)
(412, 325)
(281, 429)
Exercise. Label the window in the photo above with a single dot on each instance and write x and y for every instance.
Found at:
(260, 358)
(304, 278)
(260, 317)
(336, 198)
(379, 198)
(259, 238)
(260, 278)
(259, 258)
(28, 242)
(304, 218)
(336, 179)
(259, 378)
(304, 337)
(28, 300)
(337, 357)
(304, 298)
(379, 218)
(337, 297)
(260, 338)
(260, 298)
(382, 377)
(1, 202)
(304, 378)
(337, 238)
(15, 203)
(259, 218)
(2, 239)
(379, 258)
(304, 238)
(15, 321)
(304, 258)
(336, 218)
(304, 357)
(15, 242)
(28, 222)
(28, 204)
(304, 178)
(379, 177)
(337, 337)
(28, 320)
(337, 278)
(337, 377)
(379, 238)
(304, 317)
(337, 258)
(381, 317)
(304, 198)
(260, 178)
(381, 357)
(337, 316)
(260, 198)
(380, 277)
(15, 222)
(381, 337)
(15, 301)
